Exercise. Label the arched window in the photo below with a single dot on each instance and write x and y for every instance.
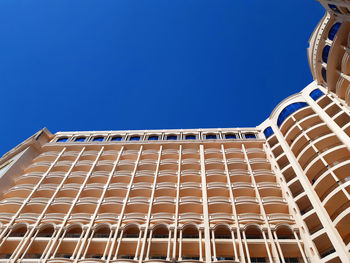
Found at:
(134, 138)
(80, 139)
(210, 136)
(98, 139)
(190, 137)
(171, 137)
(46, 231)
(253, 232)
(288, 110)
(325, 53)
(230, 136)
(116, 138)
(250, 136)
(74, 231)
(333, 31)
(19, 231)
(153, 138)
(62, 139)
(268, 132)
(316, 94)
(161, 232)
(190, 232)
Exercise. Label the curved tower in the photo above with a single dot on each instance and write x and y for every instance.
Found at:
(328, 52)
(308, 143)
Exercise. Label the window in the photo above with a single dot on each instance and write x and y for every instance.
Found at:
(288, 110)
(316, 94)
(210, 137)
(268, 132)
(334, 8)
(80, 139)
(325, 53)
(190, 137)
(116, 138)
(171, 137)
(98, 139)
(250, 136)
(324, 74)
(62, 139)
(333, 31)
(153, 138)
(230, 136)
(134, 138)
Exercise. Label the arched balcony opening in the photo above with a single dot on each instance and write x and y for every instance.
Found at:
(46, 231)
(74, 231)
(222, 232)
(159, 242)
(102, 231)
(131, 231)
(253, 232)
(190, 231)
(191, 245)
(222, 249)
(19, 230)
(128, 242)
(160, 231)
(284, 232)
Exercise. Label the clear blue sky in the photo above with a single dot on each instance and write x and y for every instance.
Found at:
(148, 64)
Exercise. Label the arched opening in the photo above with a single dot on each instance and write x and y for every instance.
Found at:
(102, 232)
(130, 238)
(131, 232)
(160, 232)
(159, 248)
(190, 231)
(19, 231)
(222, 232)
(284, 232)
(46, 231)
(253, 232)
(74, 231)
(224, 250)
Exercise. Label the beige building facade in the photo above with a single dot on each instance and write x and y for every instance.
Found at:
(277, 193)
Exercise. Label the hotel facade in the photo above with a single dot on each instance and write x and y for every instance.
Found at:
(278, 192)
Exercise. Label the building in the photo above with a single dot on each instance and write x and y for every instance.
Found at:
(328, 53)
(279, 192)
